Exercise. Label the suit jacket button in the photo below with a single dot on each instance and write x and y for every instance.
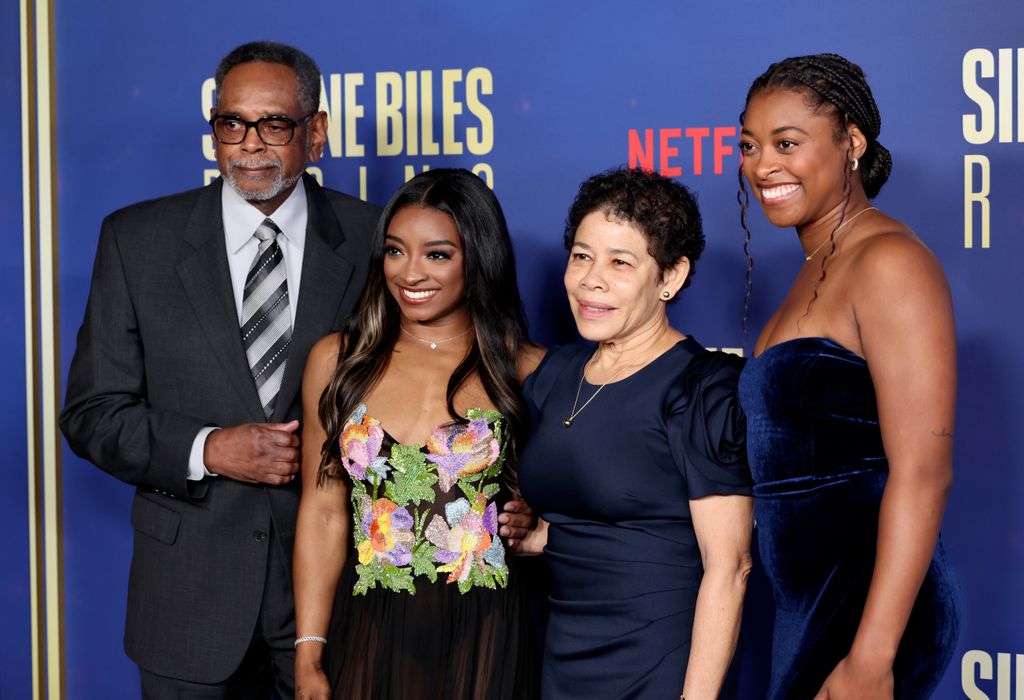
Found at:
(259, 536)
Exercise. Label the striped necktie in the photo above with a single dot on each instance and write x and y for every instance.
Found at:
(266, 321)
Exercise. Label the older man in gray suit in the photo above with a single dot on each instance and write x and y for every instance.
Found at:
(185, 379)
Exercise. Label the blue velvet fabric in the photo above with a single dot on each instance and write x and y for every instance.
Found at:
(819, 469)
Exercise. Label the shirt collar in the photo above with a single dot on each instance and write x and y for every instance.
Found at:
(241, 218)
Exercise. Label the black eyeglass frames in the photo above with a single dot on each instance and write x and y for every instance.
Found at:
(273, 130)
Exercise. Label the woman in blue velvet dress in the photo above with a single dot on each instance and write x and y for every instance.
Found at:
(636, 462)
(849, 402)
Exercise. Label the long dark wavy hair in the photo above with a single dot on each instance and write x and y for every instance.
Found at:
(832, 83)
(492, 300)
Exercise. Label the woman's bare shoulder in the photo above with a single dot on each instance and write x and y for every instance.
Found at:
(530, 355)
(323, 356)
(893, 261)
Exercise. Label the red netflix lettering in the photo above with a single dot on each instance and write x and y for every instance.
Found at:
(668, 152)
(721, 150)
(642, 156)
(698, 135)
(668, 148)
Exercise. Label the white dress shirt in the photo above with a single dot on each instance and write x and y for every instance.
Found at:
(241, 219)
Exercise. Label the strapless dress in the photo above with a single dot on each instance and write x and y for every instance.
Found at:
(819, 468)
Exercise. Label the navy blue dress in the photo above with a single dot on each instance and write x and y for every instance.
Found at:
(819, 466)
(615, 487)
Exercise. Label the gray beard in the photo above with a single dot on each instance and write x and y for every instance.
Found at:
(279, 184)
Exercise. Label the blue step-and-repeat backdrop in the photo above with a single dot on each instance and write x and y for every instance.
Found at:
(534, 97)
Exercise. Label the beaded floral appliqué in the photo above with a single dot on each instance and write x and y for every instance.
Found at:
(392, 498)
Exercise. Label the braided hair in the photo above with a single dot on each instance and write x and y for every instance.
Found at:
(829, 80)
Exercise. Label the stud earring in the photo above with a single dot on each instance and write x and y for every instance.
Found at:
(666, 295)
(856, 164)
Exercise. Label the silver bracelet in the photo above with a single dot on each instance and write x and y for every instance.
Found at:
(310, 638)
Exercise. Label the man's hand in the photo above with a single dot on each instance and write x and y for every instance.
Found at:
(516, 521)
(259, 453)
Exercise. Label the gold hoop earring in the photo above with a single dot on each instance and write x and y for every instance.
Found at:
(856, 164)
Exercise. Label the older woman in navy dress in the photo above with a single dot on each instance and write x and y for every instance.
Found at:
(636, 461)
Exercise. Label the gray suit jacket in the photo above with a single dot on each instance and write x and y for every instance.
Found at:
(159, 356)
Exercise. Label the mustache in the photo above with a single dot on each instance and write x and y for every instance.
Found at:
(254, 162)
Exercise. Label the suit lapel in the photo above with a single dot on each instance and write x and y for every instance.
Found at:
(204, 273)
(326, 275)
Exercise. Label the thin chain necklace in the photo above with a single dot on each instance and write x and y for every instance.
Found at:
(840, 227)
(575, 412)
(433, 343)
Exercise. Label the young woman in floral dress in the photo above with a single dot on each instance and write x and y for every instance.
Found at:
(413, 426)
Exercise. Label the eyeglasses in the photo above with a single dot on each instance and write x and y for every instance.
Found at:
(275, 130)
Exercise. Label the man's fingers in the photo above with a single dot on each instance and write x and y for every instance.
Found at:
(275, 480)
(287, 467)
(281, 438)
(277, 477)
(286, 440)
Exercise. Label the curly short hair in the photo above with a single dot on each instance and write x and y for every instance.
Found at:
(306, 70)
(663, 210)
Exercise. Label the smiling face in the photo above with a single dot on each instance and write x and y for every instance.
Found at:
(265, 175)
(423, 266)
(792, 159)
(613, 283)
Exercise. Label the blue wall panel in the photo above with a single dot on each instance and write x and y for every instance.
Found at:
(15, 642)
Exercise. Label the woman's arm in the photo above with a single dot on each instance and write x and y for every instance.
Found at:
(905, 320)
(517, 519)
(723, 525)
(321, 532)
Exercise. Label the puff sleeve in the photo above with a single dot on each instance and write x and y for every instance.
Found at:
(707, 429)
(539, 382)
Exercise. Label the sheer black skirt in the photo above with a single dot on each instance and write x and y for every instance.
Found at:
(438, 644)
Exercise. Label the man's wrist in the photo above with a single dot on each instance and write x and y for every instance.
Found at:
(197, 468)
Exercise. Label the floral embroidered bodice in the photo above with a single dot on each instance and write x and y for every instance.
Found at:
(426, 510)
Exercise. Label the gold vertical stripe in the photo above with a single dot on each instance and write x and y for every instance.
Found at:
(49, 352)
(28, 199)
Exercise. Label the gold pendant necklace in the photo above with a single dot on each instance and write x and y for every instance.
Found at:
(807, 258)
(575, 412)
(434, 343)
